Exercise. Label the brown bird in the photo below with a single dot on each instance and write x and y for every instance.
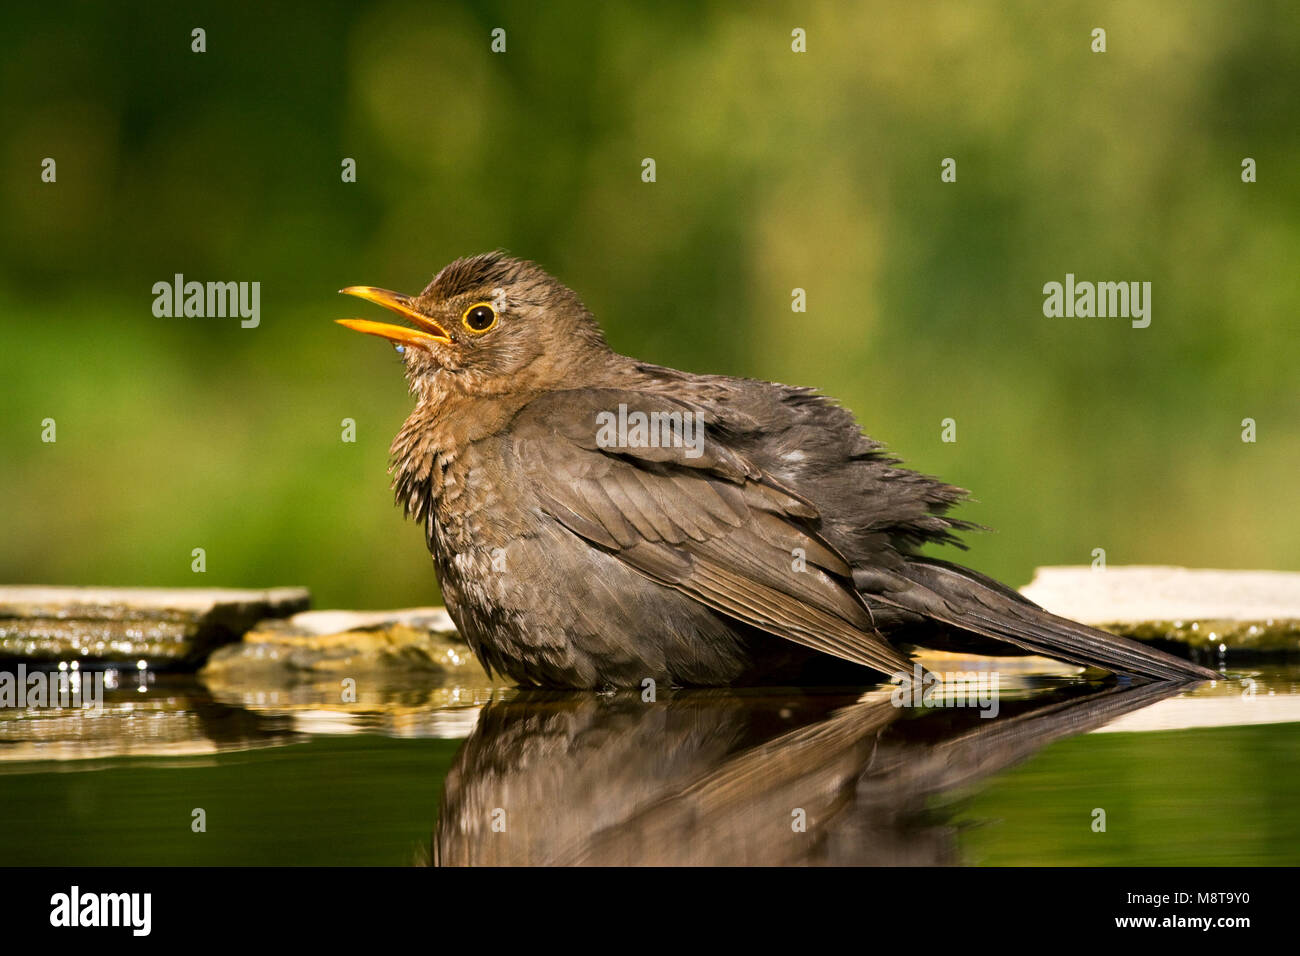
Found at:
(596, 520)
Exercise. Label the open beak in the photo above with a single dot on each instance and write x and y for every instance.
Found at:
(426, 333)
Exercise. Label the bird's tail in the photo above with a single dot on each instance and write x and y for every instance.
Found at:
(971, 601)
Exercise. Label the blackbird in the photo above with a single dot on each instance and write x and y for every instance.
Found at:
(596, 520)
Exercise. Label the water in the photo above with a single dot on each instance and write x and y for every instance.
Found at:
(172, 771)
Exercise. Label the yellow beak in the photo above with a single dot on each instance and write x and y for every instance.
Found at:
(426, 333)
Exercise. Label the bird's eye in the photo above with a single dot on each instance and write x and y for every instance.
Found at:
(479, 318)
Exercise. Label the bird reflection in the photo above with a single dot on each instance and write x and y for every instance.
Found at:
(729, 778)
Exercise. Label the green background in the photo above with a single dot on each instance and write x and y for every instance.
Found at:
(775, 170)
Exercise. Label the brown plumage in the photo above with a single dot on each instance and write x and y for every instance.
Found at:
(752, 534)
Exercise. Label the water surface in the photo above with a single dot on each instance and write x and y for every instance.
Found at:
(1067, 772)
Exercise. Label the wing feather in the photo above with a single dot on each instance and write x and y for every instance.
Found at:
(711, 525)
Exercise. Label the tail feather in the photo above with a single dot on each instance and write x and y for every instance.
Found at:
(966, 599)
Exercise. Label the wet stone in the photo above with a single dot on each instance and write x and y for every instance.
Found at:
(1239, 612)
(331, 645)
(175, 627)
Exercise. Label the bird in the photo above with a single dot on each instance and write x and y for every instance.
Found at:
(598, 522)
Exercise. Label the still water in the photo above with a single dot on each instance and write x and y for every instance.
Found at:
(171, 771)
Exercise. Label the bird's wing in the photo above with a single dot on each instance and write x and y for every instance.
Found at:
(679, 505)
(966, 599)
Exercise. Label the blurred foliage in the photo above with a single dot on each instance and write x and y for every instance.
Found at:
(775, 170)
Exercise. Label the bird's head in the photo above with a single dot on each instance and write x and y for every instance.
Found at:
(487, 325)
